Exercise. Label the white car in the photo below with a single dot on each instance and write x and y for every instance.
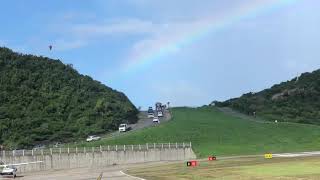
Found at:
(123, 128)
(156, 120)
(160, 114)
(93, 138)
(9, 170)
(150, 115)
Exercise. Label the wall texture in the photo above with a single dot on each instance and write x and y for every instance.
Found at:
(97, 156)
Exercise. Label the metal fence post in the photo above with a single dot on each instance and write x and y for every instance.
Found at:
(100, 148)
(161, 145)
(32, 152)
(108, 148)
(132, 147)
(22, 152)
(169, 145)
(13, 153)
(116, 147)
(59, 150)
(176, 145)
(84, 149)
(183, 145)
(51, 151)
(92, 149)
(154, 145)
(139, 147)
(124, 147)
(76, 150)
(147, 147)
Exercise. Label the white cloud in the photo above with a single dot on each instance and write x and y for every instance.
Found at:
(62, 45)
(112, 27)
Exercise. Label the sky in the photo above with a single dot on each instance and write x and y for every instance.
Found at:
(185, 52)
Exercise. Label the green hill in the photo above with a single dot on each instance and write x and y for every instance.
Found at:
(213, 132)
(42, 100)
(297, 100)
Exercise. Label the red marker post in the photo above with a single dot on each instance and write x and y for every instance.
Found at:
(212, 158)
(192, 163)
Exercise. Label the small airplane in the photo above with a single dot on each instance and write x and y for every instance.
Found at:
(11, 169)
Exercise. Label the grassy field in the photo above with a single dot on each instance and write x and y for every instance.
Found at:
(213, 132)
(239, 168)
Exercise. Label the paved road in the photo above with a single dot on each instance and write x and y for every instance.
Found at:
(109, 173)
(143, 122)
(237, 114)
(76, 174)
(299, 154)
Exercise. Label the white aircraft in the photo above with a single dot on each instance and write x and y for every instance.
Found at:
(11, 169)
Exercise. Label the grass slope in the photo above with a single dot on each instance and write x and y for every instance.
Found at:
(213, 132)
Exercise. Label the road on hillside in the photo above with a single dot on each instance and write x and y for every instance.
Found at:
(237, 114)
(143, 122)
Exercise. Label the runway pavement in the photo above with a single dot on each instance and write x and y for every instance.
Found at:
(109, 173)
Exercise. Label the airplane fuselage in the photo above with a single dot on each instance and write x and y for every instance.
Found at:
(9, 171)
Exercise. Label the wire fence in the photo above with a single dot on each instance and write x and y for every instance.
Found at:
(76, 150)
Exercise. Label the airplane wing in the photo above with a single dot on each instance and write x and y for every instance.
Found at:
(19, 164)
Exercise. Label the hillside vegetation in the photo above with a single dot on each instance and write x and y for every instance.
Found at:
(213, 132)
(42, 100)
(297, 100)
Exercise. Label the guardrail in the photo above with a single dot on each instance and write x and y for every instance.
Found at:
(76, 150)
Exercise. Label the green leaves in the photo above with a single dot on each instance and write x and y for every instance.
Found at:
(43, 100)
(292, 101)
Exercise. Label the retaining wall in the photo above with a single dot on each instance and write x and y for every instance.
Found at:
(101, 157)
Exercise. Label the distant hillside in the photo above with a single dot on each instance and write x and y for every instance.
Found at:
(42, 100)
(297, 100)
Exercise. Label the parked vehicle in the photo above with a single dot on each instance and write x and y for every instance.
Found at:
(150, 109)
(93, 138)
(123, 128)
(156, 120)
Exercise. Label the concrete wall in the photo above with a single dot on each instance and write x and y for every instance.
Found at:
(96, 159)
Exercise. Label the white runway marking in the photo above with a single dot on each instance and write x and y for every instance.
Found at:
(299, 154)
(131, 176)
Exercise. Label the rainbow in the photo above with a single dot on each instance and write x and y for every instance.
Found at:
(159, 48)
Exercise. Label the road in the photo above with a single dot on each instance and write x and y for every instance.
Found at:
(109, 173)
(143, 122)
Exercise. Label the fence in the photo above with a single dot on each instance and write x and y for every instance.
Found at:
(76, 150)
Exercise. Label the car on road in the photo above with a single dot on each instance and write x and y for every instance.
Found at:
(39, 146)
(123, 128)
(57, 144)
(150, 115)
(156, 120)
(160, 114)
(93, 138)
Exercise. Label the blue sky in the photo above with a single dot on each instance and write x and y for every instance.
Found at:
(164, 50)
